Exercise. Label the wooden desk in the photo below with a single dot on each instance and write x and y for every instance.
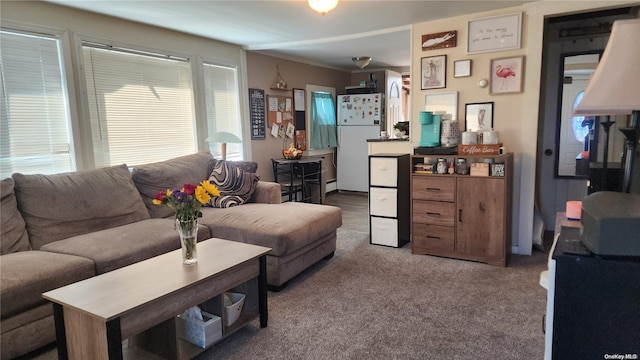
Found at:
(93, 316)
(308, 170)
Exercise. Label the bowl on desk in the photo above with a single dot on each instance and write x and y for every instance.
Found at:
(292, 154)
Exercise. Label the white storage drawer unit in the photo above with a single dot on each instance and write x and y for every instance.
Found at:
(389, 199)
(382, 202)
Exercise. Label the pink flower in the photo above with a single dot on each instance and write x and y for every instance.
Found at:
(189, 189)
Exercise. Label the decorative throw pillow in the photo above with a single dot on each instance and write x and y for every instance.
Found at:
(248, 166)
(236, 185)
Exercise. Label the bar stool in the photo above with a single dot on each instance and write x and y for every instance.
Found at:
(284, 173)
(311, 175)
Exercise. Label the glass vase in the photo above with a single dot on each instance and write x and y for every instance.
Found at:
(188, 230)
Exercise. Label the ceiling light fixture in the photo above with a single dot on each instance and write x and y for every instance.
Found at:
(361, 61)
(323, 6)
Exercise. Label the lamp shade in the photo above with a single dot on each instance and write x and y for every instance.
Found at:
(223, 137)
(614, 88)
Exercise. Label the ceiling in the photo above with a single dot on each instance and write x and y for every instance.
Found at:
(290, 29)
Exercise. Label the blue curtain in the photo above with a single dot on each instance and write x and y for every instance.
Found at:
(323, 121)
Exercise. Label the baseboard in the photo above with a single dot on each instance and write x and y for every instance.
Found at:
(331, 186)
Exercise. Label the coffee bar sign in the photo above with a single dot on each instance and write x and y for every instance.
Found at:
(493, 149)
(496, 33)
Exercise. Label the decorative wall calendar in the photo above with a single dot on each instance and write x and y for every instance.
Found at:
(257, 114)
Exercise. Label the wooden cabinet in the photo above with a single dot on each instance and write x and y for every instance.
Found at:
(389, 207)
(462, 216)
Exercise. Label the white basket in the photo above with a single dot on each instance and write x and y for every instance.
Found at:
(233, 303)
(201, 333)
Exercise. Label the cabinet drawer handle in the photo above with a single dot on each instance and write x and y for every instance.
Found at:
(433, 237)
(433, 189)
(459, 215)
(433, 214)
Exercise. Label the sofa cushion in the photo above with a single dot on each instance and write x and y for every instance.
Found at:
(13, 233)
(236, 185)
(248, 166)
(27, 274)
(283, 227)
(120, 246)
(64, 205)
(169, 174)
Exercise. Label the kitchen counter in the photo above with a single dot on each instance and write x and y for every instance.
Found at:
(387, 140)
(391, 145)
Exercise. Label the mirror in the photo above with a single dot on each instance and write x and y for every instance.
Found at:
(576, 135)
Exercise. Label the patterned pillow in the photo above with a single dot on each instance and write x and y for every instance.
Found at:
(236, 185)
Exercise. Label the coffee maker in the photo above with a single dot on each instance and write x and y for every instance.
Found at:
(430, 129)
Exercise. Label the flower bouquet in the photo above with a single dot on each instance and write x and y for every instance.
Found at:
(186, 202)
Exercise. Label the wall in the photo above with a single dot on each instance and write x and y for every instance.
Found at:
(515, 115)
(261, 72)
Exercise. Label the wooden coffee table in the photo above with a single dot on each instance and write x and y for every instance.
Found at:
(139, 302)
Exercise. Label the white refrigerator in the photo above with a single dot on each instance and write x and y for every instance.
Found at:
(359, 117)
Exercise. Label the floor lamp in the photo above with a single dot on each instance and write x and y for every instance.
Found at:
(613, 90)
(223, 137)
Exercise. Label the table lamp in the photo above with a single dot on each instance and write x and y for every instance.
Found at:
(614, 89)
(223, 138)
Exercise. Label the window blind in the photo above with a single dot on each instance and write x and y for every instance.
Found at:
(34, 119)
(222, 106)
(140, 105)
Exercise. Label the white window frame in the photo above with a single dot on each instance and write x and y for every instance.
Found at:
(65, 49)
(81, 39)
(239, 107)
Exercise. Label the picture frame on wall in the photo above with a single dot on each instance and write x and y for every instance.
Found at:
(506, 75)
(442, 40)
(478, 116)
(462, 68)
(443, 103)
(494, 33)
(433, 71)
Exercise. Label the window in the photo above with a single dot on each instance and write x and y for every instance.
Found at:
(223, 114)
(34, 118)
(323, 120)
(580, 132)
(140, 106)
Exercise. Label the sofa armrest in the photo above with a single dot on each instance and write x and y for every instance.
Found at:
(267, 192)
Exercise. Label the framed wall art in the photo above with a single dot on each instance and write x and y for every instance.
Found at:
(433, 72)
(495, 33)
(443, 103)
(478, 116)
(443, 40)
(506, 75)
(462, 68)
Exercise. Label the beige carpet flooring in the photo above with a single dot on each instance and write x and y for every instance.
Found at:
(373, 302)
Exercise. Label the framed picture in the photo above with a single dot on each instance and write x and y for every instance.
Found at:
(433, 70)
(443, 103)
(462, 68)
(495, 33)
(478, 116)
(506, 75)
(447, 39)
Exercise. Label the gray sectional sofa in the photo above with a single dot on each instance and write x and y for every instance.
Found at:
(63, 228)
